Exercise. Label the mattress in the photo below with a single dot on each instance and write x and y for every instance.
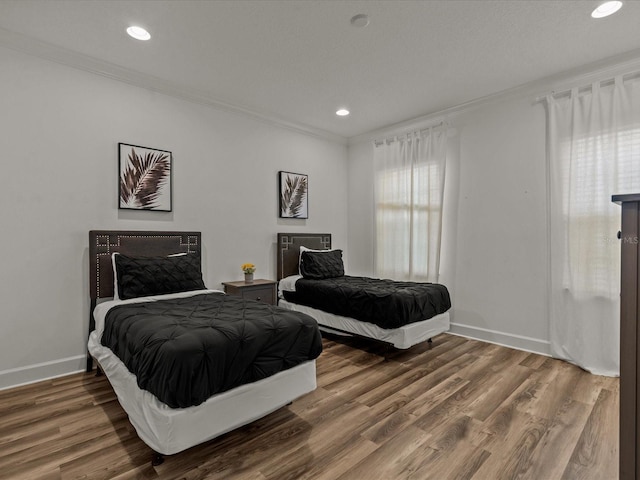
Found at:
(403, 337)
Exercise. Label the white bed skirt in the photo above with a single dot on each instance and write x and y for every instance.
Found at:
(403, 337)
(171, 430)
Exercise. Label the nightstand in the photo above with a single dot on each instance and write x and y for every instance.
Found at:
(261, 290)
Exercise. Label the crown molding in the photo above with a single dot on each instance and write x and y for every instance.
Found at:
(617, 65)
(47, 51)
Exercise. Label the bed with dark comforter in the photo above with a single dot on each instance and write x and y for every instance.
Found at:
(386, 303)
(188, 364)
(312, 280)
(185, 350)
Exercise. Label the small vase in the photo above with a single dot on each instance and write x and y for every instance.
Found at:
(248, 278)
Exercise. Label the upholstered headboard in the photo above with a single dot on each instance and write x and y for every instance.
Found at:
(102, 243)
(289, 249)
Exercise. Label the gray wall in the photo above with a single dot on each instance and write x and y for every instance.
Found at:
(60, 132)
(494, 229)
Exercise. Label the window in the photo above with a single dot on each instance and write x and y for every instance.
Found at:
(604, 164)
(409, 188)
(594, 153)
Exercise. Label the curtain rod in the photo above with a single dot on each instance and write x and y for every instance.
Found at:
(394, 138)
(583, 88)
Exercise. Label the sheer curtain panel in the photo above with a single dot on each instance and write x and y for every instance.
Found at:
(593, 152)
(409, 183)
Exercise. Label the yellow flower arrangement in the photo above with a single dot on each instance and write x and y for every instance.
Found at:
(248, 267)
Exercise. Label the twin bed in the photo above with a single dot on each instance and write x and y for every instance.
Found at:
(189, 364)
(254, 358)
(402, 314)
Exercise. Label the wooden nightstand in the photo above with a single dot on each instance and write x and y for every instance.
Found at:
(261, 290)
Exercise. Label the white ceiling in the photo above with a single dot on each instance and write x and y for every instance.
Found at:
(298, 61)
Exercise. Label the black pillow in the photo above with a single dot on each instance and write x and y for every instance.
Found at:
(143, 276)
(319, 265)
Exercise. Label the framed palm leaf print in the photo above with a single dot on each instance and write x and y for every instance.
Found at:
(294, 194)
(145, 178)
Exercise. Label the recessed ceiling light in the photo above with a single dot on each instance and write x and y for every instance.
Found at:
(360, 20)
(607, 8)
(138, 33)
(343, 112)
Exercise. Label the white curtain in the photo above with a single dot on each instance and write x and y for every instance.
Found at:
(593, 153)
(409, 185)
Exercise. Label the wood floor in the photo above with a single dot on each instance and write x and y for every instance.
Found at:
(458, 409)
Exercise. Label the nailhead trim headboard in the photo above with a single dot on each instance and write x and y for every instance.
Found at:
(102, 243)
(289, 249)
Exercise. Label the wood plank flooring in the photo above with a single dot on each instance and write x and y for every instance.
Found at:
(456, 409)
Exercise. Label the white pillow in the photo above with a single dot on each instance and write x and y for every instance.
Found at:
(115, 276)
(287, 284)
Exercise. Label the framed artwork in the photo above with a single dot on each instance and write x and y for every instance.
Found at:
(145, 178)
(294, 194)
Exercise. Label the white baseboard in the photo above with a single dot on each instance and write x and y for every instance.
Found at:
(57, 368)
(16, 377)
(510, 340)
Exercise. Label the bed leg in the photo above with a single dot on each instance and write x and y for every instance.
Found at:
(157, 459)
(89, 363)
(387, 352)
(430, 340)
(98, 371)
